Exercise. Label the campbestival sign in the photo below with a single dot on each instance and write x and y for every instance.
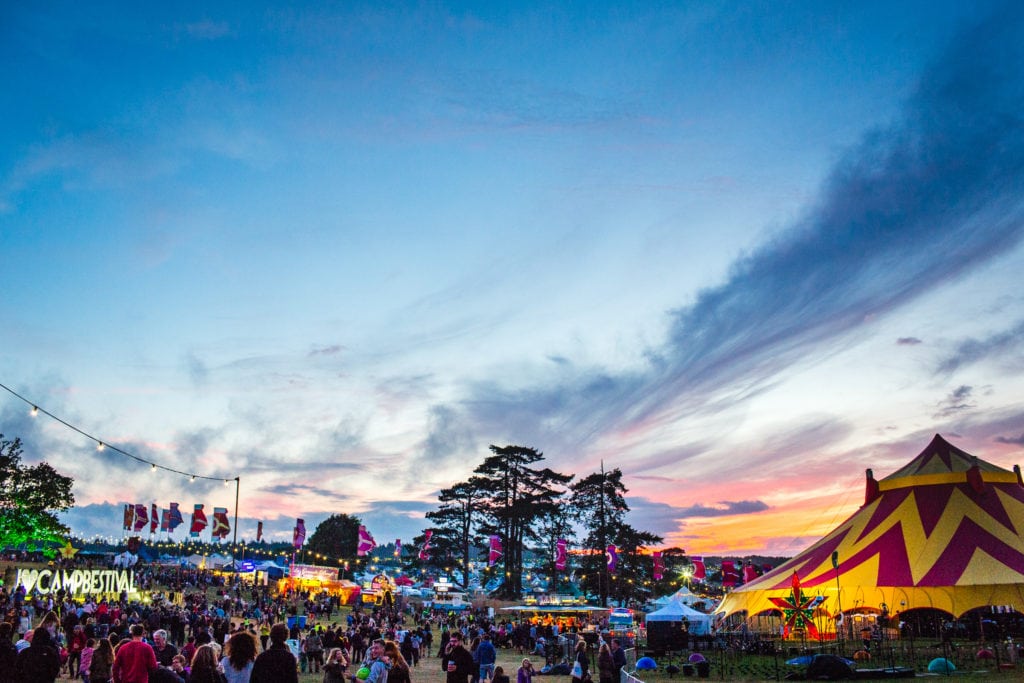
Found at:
(76, 581)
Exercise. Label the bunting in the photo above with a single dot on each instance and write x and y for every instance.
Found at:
(659, 566)
(425, 550)
(141, 517)
(299, 533)
(561, 555)
(613, 558)
(366, 542)
(198, 520)
(699, 572)
(496, 551)
(176, 519)
(221, 527)
(154, 518)
(259, 531)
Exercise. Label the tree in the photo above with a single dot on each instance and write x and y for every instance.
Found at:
(519, 495)
(337, 536)
(454, 525)
(30, 498)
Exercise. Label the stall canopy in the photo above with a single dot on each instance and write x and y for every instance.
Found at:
(675, 610)
(946, 531)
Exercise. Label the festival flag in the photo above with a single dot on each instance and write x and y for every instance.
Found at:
(175, 519)
(659, 566)
(613, 558)
(198, 520)
(496, 551)
(749, 572)
(425, 550)
(221, 527)
(129, 516)
(141, 517)
(154, 518)
(366, 542)
(299, 533)
(398, 547)
(561, 555)
(165, 520)
(259, 531)
(699, 572)
(730, 575)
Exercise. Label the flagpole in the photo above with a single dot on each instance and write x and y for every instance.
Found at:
(234, 542)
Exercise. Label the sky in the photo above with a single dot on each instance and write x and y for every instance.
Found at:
(740, 251)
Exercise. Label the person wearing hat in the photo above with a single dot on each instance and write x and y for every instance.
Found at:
(276, 664)
(40, 661)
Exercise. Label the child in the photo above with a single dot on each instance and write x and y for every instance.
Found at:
(86, 660)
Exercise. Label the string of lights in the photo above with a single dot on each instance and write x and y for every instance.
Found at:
(102, 445)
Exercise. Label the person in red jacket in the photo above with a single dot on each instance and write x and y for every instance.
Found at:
(134, 659)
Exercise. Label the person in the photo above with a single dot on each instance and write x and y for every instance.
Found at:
(526, 672)
(277, 664)
(335, 666)
(76, 643)
(40, 661)
(618, 658)
(204, 666)
(581, 665)
(134, 659)
(377, 664)
(86, 659)
(179, 665)
(399, 671)
(313, 646)
(605, 664)
(486, 657)
(8, 654)
(457, 660)
(240, 656)
(163, 650)
(499, 675)
(102, 664)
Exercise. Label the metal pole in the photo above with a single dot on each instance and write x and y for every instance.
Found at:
(234, 541)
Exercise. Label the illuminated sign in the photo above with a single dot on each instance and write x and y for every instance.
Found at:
(312, 572)
(77, 581)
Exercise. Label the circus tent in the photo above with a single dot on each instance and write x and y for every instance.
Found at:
(946, 531)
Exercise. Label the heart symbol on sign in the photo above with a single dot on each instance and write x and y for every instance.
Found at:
(29, 578)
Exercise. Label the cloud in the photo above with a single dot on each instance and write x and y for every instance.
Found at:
(723, 508)
(1011, 440)
(973, 351)
(331, 350)
(908, 341)
(958, 401)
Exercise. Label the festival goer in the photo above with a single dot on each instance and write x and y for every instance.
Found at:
(204, 666)
(376, 663)
(581, 665)
(313, 646)
(163, 650)
(102, 664)
(605, 664)
(135, 659)
(457, 660)
(240, 656)
(8, 654)
(276, 664)
(486, 657)
(399, 671)
(86, 660)
(618, 657)
(499, 675)
(335, 666)
(526, 672)
(40, 661)
(76, 643)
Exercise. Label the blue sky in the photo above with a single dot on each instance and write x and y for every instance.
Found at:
(741, 252)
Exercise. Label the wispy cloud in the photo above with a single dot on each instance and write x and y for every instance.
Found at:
(972, 351)
(959, 400)
(1011, 440)
(908, 341)
(724, 508)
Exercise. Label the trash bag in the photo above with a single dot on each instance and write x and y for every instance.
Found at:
(828, 668)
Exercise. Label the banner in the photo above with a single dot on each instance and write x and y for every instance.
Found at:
(496, 551)
(659, 566)
(730, 575)
(154, 518)
(198, 520)
(749, 572)
(699, 572)
(176, 519)
(425, 550)
(561, 555)
(141, 517)
(259, 531)
(613, 558)
(165, 520)
(299, 533)
(366, 542)
(221, 527)
(129, 516)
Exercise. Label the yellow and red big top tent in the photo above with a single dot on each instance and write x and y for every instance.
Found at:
(946, 532)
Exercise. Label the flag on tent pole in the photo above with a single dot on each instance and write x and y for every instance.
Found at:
(129, 516)
(176, 519)
(198, 520)
(561, 555)
(425, 550)
(613, 558)
(154, 518)
(730, 575)
(749, 572)
(259, 531)
(398, 547)
(221, 527)
(141, 517)
(366, 542)
(299, 533)
(659, 566)
(699, 572)
(165, 520)
(496, 551)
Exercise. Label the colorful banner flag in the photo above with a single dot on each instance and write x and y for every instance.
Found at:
(221, 527)
(299, 533)
(398, 547)
(154, 518)
(141, 517)
(259, 531)
(613, 558)
(129, 516)
(496, 551)
(561, 555)
(425, 550)
(198, 520)
(176, 519)
(730, 575)
(366, 543)
(659, 566)
(699, 572)
(165, 520)
(749, 572)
